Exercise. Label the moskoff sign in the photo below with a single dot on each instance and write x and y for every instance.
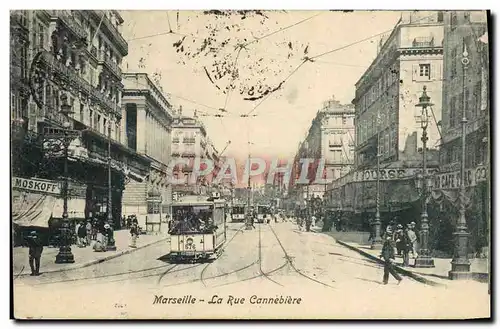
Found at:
(37, 185)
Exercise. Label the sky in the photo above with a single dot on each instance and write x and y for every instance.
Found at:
(276, 43)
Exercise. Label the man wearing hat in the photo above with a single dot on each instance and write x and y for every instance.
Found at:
(398, 238)
(387, 255)
(35, 252)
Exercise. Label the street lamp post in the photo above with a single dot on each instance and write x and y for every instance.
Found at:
(65, 256)
(424, 259)
(377, 240)
(460, 265)
(111, 243)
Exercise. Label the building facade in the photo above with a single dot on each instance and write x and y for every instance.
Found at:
(466, 89)
(71, 59)
(388, 123)
(190, 141)
(330, 138)
(146, 129)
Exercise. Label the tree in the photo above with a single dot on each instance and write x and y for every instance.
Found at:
(228, 49)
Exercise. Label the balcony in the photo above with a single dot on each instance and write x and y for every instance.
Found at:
(113, 31)
(68, 72)
(93, 52)
(73, 78)
(112, 66)
(423, 42)
(189, 140)
(72, 24)
(175, 140)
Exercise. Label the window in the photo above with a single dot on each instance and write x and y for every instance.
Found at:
(98, 123)
(344, 120)
(425, 70)
(105, 126)
(467, 16)
(82, 108)
(454, 21)
(453, 112)
(41, 35)
(453, 62)
(91, 118)
(440, 16)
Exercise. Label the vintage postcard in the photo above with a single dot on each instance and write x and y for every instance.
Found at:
(250, 164)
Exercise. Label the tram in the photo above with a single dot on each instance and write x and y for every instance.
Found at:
(238, 212)
(198, 228)
(263, 213)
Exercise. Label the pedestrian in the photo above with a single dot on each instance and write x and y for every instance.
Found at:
(88, 228)
(406, 245)
(134, 232)
(398, 237)
(35, 252)
(387, 255)
(108, 233)
(99, 246)
(82, 235)
(413, 239)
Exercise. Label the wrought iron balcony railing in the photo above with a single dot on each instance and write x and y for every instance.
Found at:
(422, 42)
(115, 69)
(77, 80)
(72, 24)
(189, 140)
(122, 43)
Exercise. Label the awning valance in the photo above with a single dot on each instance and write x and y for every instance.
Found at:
(32, 209)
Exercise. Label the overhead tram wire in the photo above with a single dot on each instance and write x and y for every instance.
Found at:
(284, 28)
(312, 58)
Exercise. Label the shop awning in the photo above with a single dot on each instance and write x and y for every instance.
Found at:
(35, 209)
(32, 209)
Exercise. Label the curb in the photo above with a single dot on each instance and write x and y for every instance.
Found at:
(98, 260)
(399, 269)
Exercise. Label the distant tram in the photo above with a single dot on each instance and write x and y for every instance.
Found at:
(198, 228)
(238, 213)
(263, 213)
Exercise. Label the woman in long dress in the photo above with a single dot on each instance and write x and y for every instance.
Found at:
(134, 234)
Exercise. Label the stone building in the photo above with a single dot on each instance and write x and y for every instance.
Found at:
(190, 141)
(331, 139)
(388, 124)
(70, 59)
(146, 129)
(469, 88)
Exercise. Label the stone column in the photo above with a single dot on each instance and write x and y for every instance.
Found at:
(141, 128)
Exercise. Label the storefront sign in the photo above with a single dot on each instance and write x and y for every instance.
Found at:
(370, 175)
(37, 185)
(451, 180)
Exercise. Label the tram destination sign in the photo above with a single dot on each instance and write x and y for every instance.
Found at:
(36, 185)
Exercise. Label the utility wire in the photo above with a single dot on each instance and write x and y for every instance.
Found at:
(282, 83)
(284, 28)
(360, 41)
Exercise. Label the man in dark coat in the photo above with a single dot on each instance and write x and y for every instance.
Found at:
(35, 252)
(388, 256)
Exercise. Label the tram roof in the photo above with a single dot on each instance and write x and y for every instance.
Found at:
(198, 200)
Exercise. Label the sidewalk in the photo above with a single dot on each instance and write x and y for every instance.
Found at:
(83, 256)
(437, 275)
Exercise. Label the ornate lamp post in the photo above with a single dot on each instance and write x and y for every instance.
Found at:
(65, 255)
(377, 240)
(460, 265)
(424, 185)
